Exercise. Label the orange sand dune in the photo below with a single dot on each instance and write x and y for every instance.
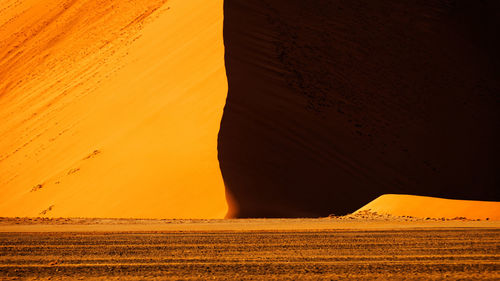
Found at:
(111, 108)
(431, 207)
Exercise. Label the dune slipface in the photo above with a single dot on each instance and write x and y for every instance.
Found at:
(333, 103)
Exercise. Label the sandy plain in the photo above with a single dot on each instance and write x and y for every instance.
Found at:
(361, 246)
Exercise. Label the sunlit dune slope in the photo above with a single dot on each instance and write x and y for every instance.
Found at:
(111, 108)
(431, 207)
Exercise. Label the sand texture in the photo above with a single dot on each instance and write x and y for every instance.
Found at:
(334, 103)
(396, 249)
(367, 220)
(111, 108)
(429, 207)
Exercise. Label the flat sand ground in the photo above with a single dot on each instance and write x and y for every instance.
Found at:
(286, 249)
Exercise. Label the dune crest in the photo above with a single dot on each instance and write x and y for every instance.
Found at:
(431, 207)
(111, 108)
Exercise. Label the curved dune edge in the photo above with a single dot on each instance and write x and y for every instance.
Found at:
(111, 108)
(431, 207)
(335, 103)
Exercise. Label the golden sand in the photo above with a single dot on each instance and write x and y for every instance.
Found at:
(111, 108)
(431, 207)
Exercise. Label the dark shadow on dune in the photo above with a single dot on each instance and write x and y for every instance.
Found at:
(333, 103)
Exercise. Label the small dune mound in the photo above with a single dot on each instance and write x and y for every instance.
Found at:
(428, 208)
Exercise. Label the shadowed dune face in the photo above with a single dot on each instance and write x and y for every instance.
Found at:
(333, 104)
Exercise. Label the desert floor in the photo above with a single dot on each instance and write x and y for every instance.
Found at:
(357, 247)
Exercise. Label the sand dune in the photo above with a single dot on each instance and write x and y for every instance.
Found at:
(431, 207)
(111, 108)
(334, 104)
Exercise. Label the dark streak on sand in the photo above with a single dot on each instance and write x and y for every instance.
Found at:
(286, 255)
